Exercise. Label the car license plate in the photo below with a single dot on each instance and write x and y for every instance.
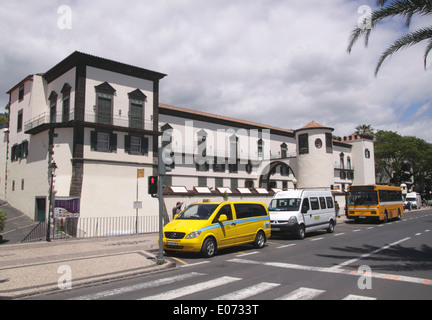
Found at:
(362, 217)
(275, 229)
(171, 243)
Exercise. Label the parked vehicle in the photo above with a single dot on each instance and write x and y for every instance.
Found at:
(415, 200)
(301, 211)
(208, 226)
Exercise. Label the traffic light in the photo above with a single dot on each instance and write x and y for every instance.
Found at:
(153, 185)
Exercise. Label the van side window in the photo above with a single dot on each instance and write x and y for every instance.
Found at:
(323, 203)
(314, 203)
(305, 204)
(329, 202)
(249, 210)
(226, 209)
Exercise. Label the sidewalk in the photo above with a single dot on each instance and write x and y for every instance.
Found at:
(34, 268)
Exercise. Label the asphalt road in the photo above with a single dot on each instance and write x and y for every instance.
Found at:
(358, 261)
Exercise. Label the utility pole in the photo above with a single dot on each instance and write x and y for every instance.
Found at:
(163, 168)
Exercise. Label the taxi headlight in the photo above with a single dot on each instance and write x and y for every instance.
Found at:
(193, 235)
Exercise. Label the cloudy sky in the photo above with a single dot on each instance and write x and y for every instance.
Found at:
(277, 62)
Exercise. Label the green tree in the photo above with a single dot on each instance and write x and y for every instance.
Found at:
(405, 9)
(4, 119)
(400, 159)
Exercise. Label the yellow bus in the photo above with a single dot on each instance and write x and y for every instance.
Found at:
(374, 202)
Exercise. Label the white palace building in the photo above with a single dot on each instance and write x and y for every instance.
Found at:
(101, 123)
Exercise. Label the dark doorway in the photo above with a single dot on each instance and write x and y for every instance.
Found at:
(40, 209)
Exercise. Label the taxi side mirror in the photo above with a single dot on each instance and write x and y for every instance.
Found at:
(223, 218)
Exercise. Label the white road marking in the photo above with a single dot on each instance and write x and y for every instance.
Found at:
(137, 287)
(184, 291)
(355, 297)
(302, 294)
(248, 292)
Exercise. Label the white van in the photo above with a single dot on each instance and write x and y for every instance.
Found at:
(415, 200)
(301, 211)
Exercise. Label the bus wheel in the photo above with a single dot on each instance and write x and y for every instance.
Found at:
(399, 215)
(385, 217)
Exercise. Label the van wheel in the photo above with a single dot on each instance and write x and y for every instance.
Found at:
(260, 240)
(330, 228)
(208, 249)
(301, 232)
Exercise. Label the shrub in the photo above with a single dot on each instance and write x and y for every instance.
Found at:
(3, 216)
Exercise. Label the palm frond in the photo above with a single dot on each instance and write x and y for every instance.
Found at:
(428, 49)
(403, 8)
(408, 40)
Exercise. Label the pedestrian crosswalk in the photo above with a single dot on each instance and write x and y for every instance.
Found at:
(179, 287)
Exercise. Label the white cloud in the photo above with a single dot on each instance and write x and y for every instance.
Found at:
(278, 62)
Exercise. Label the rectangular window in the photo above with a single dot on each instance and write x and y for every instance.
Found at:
(53, 111)
(136, 114)
(202, 182)
(21, 93)
(314, 203)
(329, 143)
(20, 121)
(136, 144)
(66, 109)
(323, 203)
(103, 141)
(104, 109)
(303, 144)
(329, 202)
(218, 182)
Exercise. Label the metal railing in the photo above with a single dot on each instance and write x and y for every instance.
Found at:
(92, 227)
(114, 120)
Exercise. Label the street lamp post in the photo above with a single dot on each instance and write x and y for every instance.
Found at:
(52, 168)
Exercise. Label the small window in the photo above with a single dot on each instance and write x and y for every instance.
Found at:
(323, 203)
(318, 143)
(303, 143)
(314, 203)
(20, 121)
(329, 143)
(21, 93)
(329, 202)
(103, 141)
(367, 154)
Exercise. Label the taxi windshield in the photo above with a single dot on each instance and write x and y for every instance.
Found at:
(198, 212)
(290, 204)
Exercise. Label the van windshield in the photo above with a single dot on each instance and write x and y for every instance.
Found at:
(290, 204)
(198, 212)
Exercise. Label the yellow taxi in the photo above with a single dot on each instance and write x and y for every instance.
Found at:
(208, 226)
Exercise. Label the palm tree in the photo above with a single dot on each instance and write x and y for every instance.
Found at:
(406, 9)
(365, 129)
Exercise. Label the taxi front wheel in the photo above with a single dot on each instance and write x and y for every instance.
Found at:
(208, 249)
